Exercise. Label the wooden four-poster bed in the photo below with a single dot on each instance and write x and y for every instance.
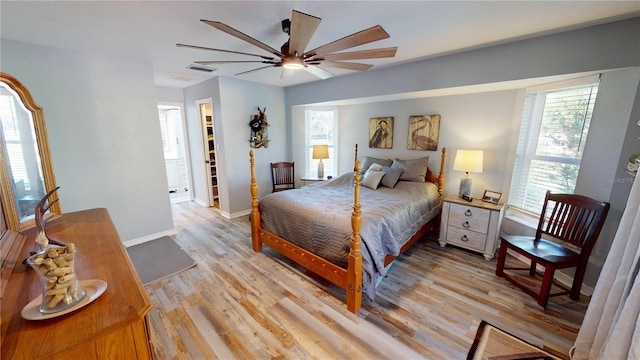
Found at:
(280, 221)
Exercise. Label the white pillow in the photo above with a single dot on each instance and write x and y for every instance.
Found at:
(367, 161)
(372, 179)
(375, 167)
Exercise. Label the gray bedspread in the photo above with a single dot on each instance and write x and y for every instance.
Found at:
(317, 217)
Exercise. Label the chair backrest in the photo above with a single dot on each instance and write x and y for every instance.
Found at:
(283, 176)
(573, 218)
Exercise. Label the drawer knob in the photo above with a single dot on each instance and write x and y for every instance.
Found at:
(466, 225)
(468, 212)
(464, 238)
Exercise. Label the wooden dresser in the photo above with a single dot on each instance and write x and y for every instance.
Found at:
(114, 326)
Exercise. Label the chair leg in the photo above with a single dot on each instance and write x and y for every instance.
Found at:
(502, 256)
(578, 278)
(545, 289)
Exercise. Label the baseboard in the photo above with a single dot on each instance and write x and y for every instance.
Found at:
(236, 215)
(201, 202)
(150, 237)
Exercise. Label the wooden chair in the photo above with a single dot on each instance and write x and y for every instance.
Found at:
(283, 176)
(573, 219)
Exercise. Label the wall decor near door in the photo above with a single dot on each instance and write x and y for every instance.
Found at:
(259, 130)
(423, 132)
(381, 132)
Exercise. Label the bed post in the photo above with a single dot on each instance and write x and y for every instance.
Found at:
(255, 214)
(354, 269)
(441, 175)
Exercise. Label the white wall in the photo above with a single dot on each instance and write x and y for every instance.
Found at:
(234, 101)
(467, 120)
(102, 121)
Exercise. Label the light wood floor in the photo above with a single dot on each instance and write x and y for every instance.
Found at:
(238, 304)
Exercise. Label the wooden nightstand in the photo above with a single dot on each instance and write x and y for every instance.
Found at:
(311, 179)
(471, 225)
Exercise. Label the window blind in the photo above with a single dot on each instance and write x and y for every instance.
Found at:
(321, 129)
(555, 124)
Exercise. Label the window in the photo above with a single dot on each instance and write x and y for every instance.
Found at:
(321, 127)
(555, 123)
(14, 120)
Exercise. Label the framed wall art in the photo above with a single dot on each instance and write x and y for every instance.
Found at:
(381, 132)
(423, 132)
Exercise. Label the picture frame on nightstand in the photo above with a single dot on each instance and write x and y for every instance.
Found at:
(491, 196)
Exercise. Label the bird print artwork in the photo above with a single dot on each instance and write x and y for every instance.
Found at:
(423, 132)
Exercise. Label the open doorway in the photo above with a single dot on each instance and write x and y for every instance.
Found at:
(175, 148)
(205, 112)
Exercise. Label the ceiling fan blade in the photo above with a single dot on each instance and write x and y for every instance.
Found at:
(347, 65)
(286, 73)
(242, 36)
(221, 50)
(232, 62)
(317, 71)
(366, 36)
(256, 69)
(303, 27)
(363, 54)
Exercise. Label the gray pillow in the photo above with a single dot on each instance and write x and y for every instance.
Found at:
(368, 161)
(372, 179)
(414, 170)
(391, 176)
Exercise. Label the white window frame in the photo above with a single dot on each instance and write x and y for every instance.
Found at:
(331, 164)
(528, 143)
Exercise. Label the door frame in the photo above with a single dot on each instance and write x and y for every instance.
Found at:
(205, 147)
(185, 139)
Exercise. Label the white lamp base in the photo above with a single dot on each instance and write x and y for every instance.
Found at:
(320, 169)
(465, 186)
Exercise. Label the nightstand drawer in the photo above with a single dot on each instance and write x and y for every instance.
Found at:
(469, 217)
(466, 238)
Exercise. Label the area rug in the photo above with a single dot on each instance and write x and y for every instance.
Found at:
(157, 259)
(491, 343)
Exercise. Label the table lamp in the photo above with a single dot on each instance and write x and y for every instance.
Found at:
(320, 152)
(467, 161)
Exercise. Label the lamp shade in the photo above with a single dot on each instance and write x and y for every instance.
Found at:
(468, 161)
(320, 152)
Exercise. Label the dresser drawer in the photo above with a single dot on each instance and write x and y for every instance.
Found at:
(466, 238)
(469, 217)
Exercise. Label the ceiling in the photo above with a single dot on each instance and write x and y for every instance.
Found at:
(147, 31)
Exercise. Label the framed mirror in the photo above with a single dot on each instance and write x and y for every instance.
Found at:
(26, 173)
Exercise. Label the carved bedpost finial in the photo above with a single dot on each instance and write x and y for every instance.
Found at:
(441, 176)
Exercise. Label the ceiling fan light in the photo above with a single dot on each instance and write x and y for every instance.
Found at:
(293, 63)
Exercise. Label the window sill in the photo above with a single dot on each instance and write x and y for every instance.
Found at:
(522, 219)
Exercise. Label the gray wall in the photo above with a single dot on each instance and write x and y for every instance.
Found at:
(102, 121)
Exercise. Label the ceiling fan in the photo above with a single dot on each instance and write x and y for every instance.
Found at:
(292, 55)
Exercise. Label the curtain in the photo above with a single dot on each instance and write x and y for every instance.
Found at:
(611, 327)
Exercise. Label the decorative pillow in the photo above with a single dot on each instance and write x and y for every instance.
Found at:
(368, 161)
(372, 179)
(391, 176)
(414, 170)
(375, 167)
